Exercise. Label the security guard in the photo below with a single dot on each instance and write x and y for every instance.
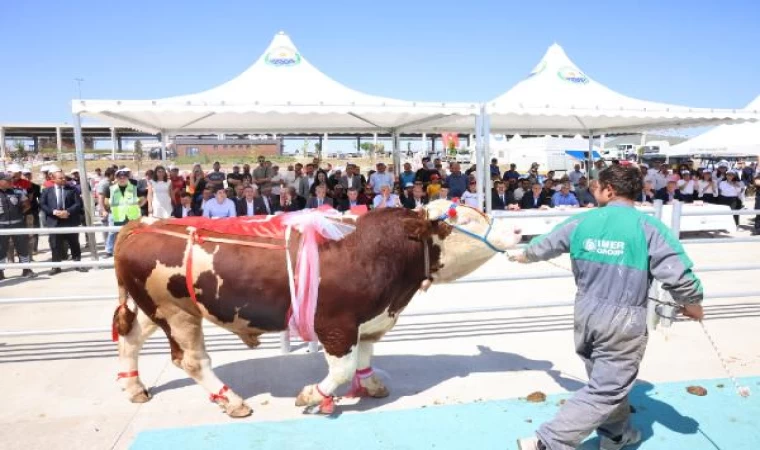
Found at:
(123, 199)
(13, 205)
(616, 251)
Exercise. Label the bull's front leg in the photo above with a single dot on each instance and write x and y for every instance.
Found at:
(366, 383)
(342, 355)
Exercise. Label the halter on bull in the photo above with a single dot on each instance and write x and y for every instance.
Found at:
(246, 289)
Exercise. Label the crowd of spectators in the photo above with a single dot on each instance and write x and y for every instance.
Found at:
(161, 192)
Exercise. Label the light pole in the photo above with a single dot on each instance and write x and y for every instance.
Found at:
(79, 86)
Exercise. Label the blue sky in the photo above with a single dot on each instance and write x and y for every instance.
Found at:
(698, 53)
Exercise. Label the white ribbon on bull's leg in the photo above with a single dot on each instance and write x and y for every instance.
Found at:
(187, 332)
(366, 382)
(129, 351)
(341, 370)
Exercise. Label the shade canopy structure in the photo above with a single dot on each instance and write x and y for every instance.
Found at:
(280, 93)
(557, 97)
(743, 138)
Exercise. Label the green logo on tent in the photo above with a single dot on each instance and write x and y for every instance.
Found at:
(572, 75)
(283, 57)
(539, 68)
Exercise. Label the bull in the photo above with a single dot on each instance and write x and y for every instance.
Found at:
(242, 285)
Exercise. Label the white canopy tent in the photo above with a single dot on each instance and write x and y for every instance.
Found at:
(280, 93)
(724, 140)
(559, 98)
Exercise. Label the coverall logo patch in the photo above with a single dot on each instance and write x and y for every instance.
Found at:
(604, 247)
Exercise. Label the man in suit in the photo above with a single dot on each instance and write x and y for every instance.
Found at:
(534, 199)
(351, 179)
(669, 193)
(416, 200)
(500, 198)
(185, 208)
(291, 201)
(246, 206)
(320, 198)
(352, 199)
(62, 207)
(266, 204)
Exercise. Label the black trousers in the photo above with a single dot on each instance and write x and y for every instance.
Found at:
(20, 243)
(757, 206)
(58, 243)
(733, 203)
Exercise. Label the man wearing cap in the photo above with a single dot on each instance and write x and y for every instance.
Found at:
(63, 207)
(13, 205)
(124, 202)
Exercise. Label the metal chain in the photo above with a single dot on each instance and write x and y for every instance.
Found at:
(741, 390)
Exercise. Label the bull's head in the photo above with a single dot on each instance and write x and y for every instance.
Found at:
(470, 238)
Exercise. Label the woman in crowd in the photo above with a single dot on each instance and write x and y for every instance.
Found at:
(196, 185)
(707, 188)
(159, 199)
(320, 179)
(731, 192)
(687, 187)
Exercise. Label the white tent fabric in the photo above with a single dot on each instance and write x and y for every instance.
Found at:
(280, 93)
(558, 97)
(724, 139)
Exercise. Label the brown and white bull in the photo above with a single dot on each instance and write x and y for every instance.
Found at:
(367, 279)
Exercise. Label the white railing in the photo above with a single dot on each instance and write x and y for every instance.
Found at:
(284, 338)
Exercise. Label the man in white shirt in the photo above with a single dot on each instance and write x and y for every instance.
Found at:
(380, 178)
(575, 175)
(220, 206)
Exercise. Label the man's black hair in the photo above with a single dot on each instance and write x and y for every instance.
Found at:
(625, 180)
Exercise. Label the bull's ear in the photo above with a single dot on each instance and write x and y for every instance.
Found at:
(418, 227)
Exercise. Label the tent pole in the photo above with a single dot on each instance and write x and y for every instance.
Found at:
(478, 155)
(396, 156)
(486, 163)
(85, 184)
(590, 161)
(113, 143)
(164, 140)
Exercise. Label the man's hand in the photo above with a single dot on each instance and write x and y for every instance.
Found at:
(693, 311)
(521, 258)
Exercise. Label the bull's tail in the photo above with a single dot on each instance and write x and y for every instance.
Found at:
(123, 317)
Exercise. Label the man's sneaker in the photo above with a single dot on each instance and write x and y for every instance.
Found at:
(531, 443)
(2, 275)
(630, 437)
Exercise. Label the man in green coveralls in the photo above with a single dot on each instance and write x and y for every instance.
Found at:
(616, 251)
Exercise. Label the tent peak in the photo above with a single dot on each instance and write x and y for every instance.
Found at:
(754, 104)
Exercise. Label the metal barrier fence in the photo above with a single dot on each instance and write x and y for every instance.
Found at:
(656, 210)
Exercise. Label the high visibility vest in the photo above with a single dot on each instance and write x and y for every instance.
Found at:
(124, 207)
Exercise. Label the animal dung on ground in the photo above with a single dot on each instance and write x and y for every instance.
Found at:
(536, 397)
(697, 390)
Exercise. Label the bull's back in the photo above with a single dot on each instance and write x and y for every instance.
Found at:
(238, 286)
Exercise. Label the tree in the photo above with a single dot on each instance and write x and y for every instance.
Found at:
(305, 148)
(138, 153)
(318, 151)
(368, 148)
(20, 150)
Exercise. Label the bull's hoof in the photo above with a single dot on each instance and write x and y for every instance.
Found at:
(309, 396)
(140, 397)
(238, 411)
(374, 387)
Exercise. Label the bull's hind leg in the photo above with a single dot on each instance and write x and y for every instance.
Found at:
(129, 351)
(187, 332)
(366, 382)
(342, 357)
